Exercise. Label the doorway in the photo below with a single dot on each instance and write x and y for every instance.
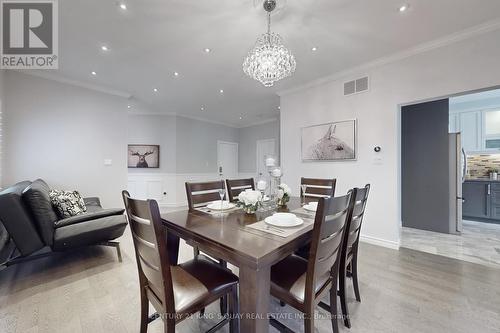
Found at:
(428, 170)
(264, 147)
(227, 159)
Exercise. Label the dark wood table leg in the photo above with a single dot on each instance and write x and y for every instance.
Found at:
(254, 299)
(173, 248)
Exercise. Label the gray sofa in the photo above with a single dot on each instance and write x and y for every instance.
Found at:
(29, 226)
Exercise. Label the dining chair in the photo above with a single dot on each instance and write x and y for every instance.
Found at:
(198, 195)
(175, 291)
(201, 194)
(302, 283)
(349, 257)
(236, 186)
(316, 188)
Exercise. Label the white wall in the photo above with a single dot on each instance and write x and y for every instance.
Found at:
(63, 133)
(2, 103)
(248, 137)
(197, 144)
(466, 65)
(155, 130)
(188, 152)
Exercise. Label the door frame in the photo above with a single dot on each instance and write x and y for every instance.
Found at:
(257, 152)
(399, 108)
(219, 142)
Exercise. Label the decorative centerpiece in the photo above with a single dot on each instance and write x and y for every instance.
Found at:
(284, 193)
(249, 200)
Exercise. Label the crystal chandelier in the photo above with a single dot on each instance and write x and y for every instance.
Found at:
(269, 61)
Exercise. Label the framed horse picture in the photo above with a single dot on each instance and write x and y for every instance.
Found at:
(334, 141)
(144, 156)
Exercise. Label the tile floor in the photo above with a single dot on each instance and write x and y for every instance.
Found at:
(479, 243)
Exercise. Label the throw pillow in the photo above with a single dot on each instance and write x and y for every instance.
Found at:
(67, 203)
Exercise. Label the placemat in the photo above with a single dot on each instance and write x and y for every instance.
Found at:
(282, 232)
(301, 212)
(216, 212)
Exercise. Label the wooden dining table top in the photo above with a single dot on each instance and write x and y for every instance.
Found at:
(228, 237)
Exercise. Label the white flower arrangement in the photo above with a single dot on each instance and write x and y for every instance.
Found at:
(284, 193)
(250, 200)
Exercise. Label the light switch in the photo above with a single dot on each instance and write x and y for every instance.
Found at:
(108, 162)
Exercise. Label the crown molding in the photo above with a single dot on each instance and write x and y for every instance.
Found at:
(262, 122)
(419, 49)
(205, 120)
(81, 84)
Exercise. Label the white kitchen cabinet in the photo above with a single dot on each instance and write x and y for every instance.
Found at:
(454, 123)
(491, 125)
(470, 124)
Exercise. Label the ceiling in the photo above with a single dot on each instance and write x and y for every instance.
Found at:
(152, 39)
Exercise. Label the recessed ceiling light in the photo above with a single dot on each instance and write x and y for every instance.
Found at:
(202, 108)
(93, 73)
(176, 74)
(404, 8)
(155, 89)
(129, 106)
(123, 6)
(104, 48)
(314, 48)
(241, 118)
(279, 107)
(207, 50)
(221, 91)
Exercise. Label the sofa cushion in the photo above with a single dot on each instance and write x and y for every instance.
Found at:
(67, 203)
(89, 216)
(89, 232)
(36, 197)
(19, 222)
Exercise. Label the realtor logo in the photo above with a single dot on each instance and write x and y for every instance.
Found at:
(29, 34)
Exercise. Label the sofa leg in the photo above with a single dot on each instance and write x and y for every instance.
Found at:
(116, 245)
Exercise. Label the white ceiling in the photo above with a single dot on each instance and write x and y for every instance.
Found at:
(153, 39)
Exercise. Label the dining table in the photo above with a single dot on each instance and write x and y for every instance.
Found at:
(230, 237)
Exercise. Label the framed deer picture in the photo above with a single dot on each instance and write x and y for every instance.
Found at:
(143, 156)
(329, 142)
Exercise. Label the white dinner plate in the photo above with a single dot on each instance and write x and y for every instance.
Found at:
(277, 222)
(311, 208)
(216, 205)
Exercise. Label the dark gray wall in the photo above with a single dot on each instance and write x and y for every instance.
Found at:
(425, 166)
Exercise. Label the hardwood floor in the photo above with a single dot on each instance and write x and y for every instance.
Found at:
(401, 291)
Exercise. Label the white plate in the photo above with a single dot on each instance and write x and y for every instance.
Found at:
(283, 223)
(216, 205)
(310, 208)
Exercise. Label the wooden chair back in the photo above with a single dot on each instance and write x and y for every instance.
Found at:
(317, 188)
(326, 244)
(353, 228)
(236, 186)
(200, 194)
(150, 244)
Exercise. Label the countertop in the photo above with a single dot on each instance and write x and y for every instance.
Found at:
(486, 180)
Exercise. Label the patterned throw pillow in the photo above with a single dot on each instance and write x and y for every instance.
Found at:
(67, 203)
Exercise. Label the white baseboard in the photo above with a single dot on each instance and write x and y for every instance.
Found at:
(379, 242)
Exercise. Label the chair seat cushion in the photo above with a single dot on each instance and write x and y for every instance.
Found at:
(91, 215)
(288, 279)
(89, 232)
(196, 279)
